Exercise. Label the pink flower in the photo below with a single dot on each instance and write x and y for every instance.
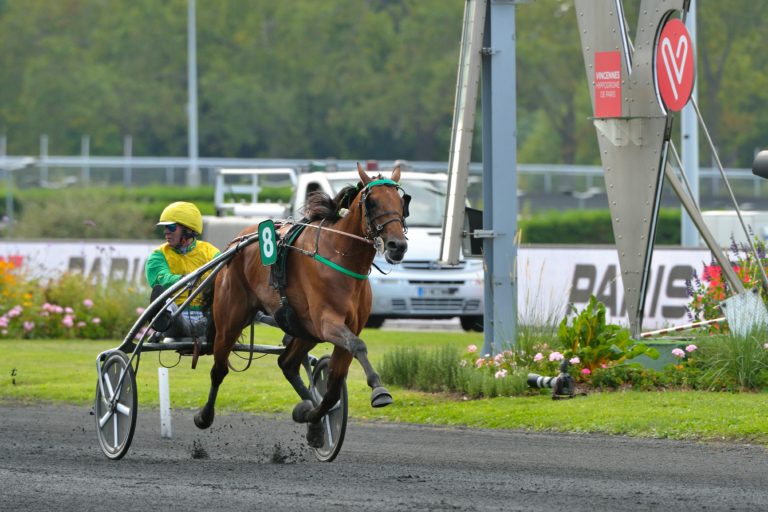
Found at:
(15, 311)
(690, 348)
(539, 356)
(88, 303)
(501, 374)
(678, 352)
(139, 310)
(479, 362)
(96, 320)
(81, 324)
(68, 310)
(574, 360)
(68, 321)
(603, 365)
(471, 349)
(556, 356)
(3, 321)
(585, 371)
(28, 326)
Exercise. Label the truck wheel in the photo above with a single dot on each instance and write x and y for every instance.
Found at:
(375, 321)
(472, 323)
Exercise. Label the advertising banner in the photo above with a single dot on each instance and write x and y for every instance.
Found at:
(548, 278)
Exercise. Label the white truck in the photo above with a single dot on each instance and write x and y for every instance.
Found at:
(419, 287)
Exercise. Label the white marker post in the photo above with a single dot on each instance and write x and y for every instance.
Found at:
(165, 403)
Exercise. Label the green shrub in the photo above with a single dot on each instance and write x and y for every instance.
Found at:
(596, 343)
(107, 212)
(731, 362)
(590, 227)
(67, 307)
(434, 370)
(442, 369)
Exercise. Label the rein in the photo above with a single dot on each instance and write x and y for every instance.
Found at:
(373, 231)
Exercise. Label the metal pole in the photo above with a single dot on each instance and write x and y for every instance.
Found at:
(127, 153)
(8, 184)
(43, 157)
(85, 152)
(500, 177)
(193, 174)
(689, 131)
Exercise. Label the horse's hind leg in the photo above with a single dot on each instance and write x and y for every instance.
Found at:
(220, 369)
(290, 361)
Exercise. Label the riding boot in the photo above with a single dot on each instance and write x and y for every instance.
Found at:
(172, 327)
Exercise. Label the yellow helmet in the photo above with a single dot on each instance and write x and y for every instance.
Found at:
(182, 213)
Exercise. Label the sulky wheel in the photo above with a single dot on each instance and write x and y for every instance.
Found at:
(335, 422)
(116, 406)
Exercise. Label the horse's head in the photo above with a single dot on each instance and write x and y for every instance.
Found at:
(384, 211)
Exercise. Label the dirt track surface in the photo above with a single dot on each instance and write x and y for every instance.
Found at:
(50, 460)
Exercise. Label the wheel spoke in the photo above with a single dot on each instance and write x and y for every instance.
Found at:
(110, 389)
(117, 442)
(123, 409)
(328, 430)
(104, 419)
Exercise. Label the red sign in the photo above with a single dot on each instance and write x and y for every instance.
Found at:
(674, 68)
(607, 84)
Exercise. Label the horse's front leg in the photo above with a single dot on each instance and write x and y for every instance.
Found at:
(342, 336)
(307, 412)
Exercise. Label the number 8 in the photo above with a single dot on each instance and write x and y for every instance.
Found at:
(267, 243)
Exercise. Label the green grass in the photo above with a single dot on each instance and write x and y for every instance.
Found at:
(65, 371)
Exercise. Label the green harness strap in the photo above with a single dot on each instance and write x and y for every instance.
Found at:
(326, 261)
(335, 266)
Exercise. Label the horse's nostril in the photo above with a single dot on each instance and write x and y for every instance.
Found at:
(397, 245)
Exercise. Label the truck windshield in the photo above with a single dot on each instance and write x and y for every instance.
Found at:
(427, 201)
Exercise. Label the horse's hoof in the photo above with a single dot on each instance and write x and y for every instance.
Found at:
(203, 420)
(380, 397)
(315, 434)
(301, 410)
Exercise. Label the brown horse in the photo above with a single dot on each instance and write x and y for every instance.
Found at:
(325, 295)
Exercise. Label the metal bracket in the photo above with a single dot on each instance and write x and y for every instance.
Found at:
(484, 233)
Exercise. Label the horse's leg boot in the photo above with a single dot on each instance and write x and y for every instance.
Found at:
(204, 417)
(315, 434)
(301, 410)
(380, 397)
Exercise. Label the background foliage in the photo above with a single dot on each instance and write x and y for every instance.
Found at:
(118, 212)
(337, 78)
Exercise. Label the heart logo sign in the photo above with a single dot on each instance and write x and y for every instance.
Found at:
(674, 69)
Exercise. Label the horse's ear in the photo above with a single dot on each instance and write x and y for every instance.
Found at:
(363, 176)
(396, 174)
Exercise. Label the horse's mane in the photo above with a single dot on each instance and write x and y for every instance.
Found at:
(320, 206)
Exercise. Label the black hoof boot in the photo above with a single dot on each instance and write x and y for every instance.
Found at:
(380, 397)
(204, 418)
(301, 410)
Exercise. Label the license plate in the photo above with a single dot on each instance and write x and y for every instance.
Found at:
(436, 292)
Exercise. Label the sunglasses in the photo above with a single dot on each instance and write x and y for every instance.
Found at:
(171, 227)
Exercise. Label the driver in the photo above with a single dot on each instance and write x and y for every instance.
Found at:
(181, 254)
